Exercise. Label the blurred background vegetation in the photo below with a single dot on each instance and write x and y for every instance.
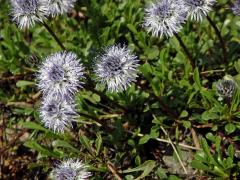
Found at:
(129, 135)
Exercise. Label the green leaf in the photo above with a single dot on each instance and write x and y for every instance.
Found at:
(34, 145)
(199, 165)
(98, 143)
(23, 83)
(144, 139)
(141, 167)
(237, 66)
(86, 143)
(64, 144)
(206, 149)
(161, 173)
(211, 137)
(183, 114)
(132, 28)
(230, 128)
(152, 52)
(173, 177)
(146, 167)
(146, 70)
(32, 125)
(196, 78)
(207, 115)
(231, 151)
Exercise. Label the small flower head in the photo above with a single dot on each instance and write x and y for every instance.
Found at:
(165, 17)
(57, 7)
(226, 88)
(236, 8)
(61, 74)
(116, 68)
(71, 170)
(56, 113)
(26, 12)
(198, 9)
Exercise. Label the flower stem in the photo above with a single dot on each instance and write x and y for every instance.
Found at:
(218, 33)
(184, 47)
(90, 87)
(53, 35)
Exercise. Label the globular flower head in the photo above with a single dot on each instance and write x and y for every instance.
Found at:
(198, 9)
(236, 8)
(165, 17)
(71, 170)
(61, 74)
(116, 68)
(226, 88)
(57, 7)
(56, 113)
(26, 12)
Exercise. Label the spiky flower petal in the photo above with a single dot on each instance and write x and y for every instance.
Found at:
(236, 8)
(226, 88)
(165, 17)
(57, 7)
(56, 113)
(61, 73)
(71, 170)
(26, 12)
(116, 68)
(198, 9)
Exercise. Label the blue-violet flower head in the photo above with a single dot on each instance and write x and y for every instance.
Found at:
(56, 113)
(236, 8)
(61, 73)
(198, 9)
(116, 68)
(226, 88)
(165, 17)
(57, 7)
(26, 12)
(71, 170)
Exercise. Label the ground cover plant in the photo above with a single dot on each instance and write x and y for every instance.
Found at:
(119, 89)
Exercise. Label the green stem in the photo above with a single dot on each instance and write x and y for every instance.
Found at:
(184, 47)
(53, 35)
(218, 33)
(90, 87)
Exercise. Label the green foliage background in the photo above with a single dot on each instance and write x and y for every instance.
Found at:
(120, 134)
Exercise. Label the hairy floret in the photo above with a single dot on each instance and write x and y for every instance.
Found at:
(60, 6)
(226, 88)
(56, 113)
(198, 9)
(26, 12)
(165, 17)
(236, 8)
(60, 73)
(116, 68)
(71, 170)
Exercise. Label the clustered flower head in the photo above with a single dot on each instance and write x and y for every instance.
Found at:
(236, 8)
(226, 88)
(116, 68)
(71, 170)
(59, 78)
(60, 74)
(165, 17)
(26, 12)
(198, 9)
(57, 113)
(57, 7)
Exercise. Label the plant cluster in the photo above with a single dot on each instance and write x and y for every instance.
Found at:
(139, 89)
